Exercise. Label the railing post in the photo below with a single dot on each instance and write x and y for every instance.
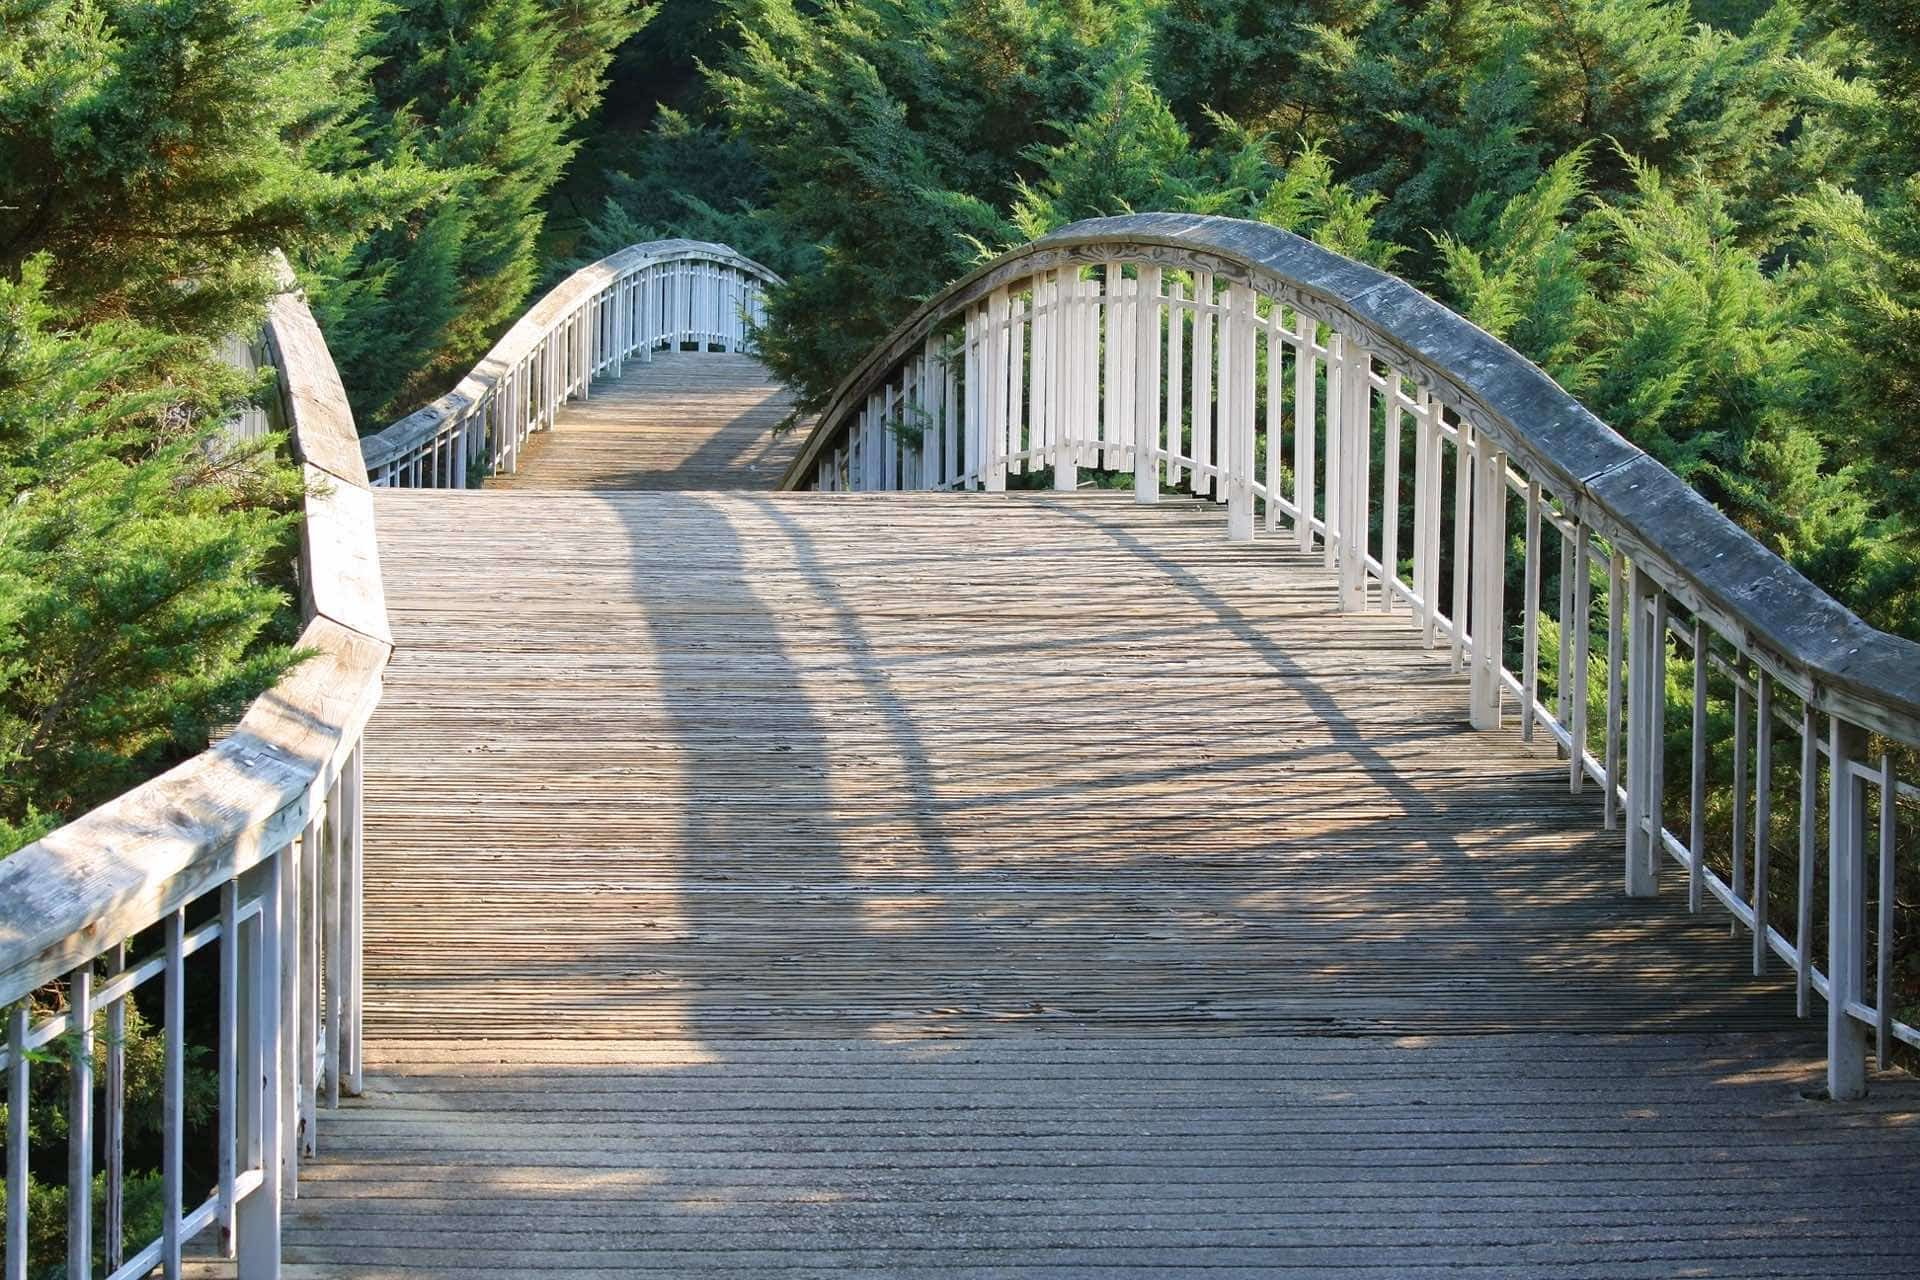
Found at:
(1355, 448)
(1066, 445)
(1489, 543)
(1846, 911)
(1305, 391)
(1646, 736)
(1200, 390)
(997, 351)
(1146, 394)
(80, 1125)
(1334, 529)
(257, 1216)
(1237, 369)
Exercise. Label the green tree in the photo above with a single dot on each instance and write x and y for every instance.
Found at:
(138, 555)
(894, 135)
(147, 145)
(482, 93)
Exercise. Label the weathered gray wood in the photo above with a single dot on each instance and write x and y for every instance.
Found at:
(683, 420)
(531, 328)
(125, 865)
(942, 884)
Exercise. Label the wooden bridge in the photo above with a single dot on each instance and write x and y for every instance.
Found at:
(936, 874)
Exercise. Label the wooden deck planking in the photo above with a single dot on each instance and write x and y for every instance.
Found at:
(813, 884)
(683, 420)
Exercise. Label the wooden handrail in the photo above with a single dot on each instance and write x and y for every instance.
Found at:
(664, 291)
(249, 822)
(1137, 344)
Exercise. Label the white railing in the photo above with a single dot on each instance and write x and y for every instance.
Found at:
(245, 859)
(664, 294)
(1296, 385)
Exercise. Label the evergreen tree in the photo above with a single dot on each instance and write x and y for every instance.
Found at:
(894, 134)
(483, 93)
(143, 145)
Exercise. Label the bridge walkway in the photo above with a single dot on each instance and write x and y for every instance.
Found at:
(836, 884)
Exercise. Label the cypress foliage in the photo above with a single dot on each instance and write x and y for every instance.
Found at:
(483, 94)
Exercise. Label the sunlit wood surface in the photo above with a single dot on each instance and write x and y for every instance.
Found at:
(682, 420)
(812, 885)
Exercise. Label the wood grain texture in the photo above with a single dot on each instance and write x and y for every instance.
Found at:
(916, 885)
(124, 865)
(684, 420)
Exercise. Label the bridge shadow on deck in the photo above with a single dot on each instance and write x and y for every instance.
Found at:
(970, 887)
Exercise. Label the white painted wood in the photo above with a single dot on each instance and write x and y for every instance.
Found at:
(80, 1123)
(1617, 604)
(1646, 699)
(1236, 403)
(1489, 519)
(1204, 481)
(1762, 825)
(1582, 659)
(1697, 782)
(173, 1094)
(1305, 429)
(1146, 395)
(1889, 785)
(19, 1073)
(1846, 912)
(1530, 615)
(1809, 852)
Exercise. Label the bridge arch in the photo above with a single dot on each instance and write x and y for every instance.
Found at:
(1156, 338)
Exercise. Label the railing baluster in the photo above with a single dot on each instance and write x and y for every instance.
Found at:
(1646, 739)
(1426, 483)
(1146, 399)
(19, 1070)
(1742, 728)
(1489, 519)
(1530, 615)
(332, 879)
(1883, 932)
(1205, 481)
(1390, 497)
(257, 1216)
(1463, 536)
(1803, 907)
(1236, 411)
(1348, 477)
(113, 1138)
(1762, 825)
(1334, 532)
(1846, 912)
(1176, 379)
(80, 1123)
(173, 1092)
(1616, 635)
(229, 1122)
(1276, 389)
(1305, 395)
(1582, 643)
(1697, 782)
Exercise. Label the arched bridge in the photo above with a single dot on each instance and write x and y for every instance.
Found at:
(1196, 759)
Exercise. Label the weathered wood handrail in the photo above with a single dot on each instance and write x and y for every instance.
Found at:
(1236, 356)
(665, 292)
(260, 837)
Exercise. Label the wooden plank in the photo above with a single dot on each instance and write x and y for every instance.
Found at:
(767, 884)
(684, 420)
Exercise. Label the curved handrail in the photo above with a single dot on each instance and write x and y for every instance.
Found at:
(273, 805)
(663, 291)
(1806, 638)
(1135, 343)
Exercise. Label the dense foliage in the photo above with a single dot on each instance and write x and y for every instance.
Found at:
(1704, 219)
